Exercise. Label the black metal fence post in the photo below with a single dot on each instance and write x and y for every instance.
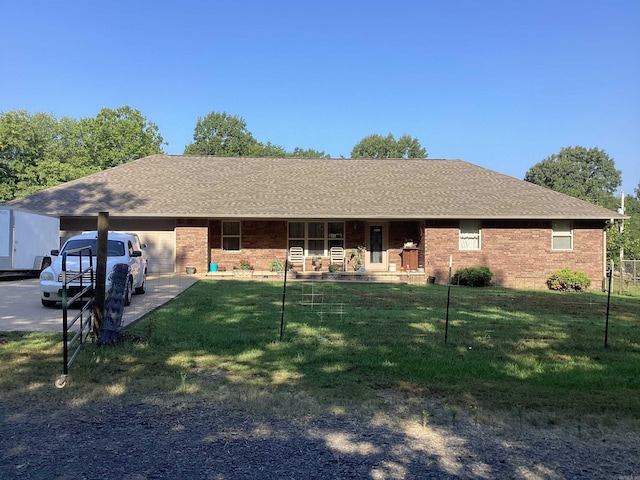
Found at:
(446, 321)
(284, 293)
(606, 323)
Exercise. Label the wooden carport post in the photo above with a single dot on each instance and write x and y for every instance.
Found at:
(101, 270)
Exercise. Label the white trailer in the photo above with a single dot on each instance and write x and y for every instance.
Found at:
(26, 240)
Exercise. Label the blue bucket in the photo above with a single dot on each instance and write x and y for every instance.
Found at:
(213, 267)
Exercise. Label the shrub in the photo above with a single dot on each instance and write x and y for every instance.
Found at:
(567, 280)
(276, 266)
(473, 277)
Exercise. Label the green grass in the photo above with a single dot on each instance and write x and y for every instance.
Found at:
(532, 351)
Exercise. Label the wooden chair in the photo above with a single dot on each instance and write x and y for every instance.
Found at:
(296, 256)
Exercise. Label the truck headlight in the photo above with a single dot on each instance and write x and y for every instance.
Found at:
(47, 276)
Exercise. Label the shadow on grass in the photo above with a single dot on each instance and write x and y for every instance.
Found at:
(351, 342)
(348, 342)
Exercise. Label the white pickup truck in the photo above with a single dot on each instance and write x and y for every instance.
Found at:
(122, 247)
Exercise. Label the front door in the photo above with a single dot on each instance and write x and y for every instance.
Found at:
(376, 255)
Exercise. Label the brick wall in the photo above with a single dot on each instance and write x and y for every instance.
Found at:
(262, 242)
(191, 245)
(518, 253)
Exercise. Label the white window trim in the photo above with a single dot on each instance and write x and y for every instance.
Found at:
(472, 236)
(223, 236)
(562, 234)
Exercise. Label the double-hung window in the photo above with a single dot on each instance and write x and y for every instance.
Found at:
(561, 235)
(469, 235)
(316, 238)
(231, 236)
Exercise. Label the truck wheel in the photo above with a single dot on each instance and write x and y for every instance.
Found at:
(143, 287)
(48, 303)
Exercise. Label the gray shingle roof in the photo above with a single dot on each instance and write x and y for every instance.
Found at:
(240, 187)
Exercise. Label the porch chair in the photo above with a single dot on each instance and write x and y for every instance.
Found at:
(336, 255)
(296, 256)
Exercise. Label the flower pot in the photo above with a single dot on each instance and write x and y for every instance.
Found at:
(190, 269)
(242, 273)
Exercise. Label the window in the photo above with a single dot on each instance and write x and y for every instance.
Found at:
(561, 235)
(231, 236)
(469, 237)
(296, 234)
(316, 238)
(336, 234)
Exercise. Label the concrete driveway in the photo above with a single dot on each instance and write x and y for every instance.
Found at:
(20, 307)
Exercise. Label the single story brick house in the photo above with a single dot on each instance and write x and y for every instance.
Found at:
(413, 214)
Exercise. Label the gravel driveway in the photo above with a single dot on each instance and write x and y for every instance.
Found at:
(155, 438)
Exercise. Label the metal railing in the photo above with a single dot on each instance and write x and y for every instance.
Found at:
(81, 283)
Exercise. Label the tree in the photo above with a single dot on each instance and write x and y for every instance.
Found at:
(35, 152)
(586, 174)
(39, 151)
(629, 238)
(267, 150)
(377, 146)
(118, 136)
(222, 134)
(308, 153)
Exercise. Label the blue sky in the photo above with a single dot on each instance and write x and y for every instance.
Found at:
(499, 83)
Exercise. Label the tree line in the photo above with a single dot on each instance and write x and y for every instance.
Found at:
(39, 150)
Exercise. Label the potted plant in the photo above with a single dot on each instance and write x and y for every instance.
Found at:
(332, 274)
(279, 267)
(244, 269)
(356, 256)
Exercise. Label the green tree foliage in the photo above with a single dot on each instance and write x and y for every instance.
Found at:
(118, 136)
(268, 150)
(629, 238)
(225, 135)
(308, 153)
(222, 134)
(377, 146)
(590, 175)
(35, 152)
(38, 150)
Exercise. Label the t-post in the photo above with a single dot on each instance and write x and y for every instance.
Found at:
(284, 294)
(606, 323)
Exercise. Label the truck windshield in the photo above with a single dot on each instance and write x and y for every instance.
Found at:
(115, 248)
